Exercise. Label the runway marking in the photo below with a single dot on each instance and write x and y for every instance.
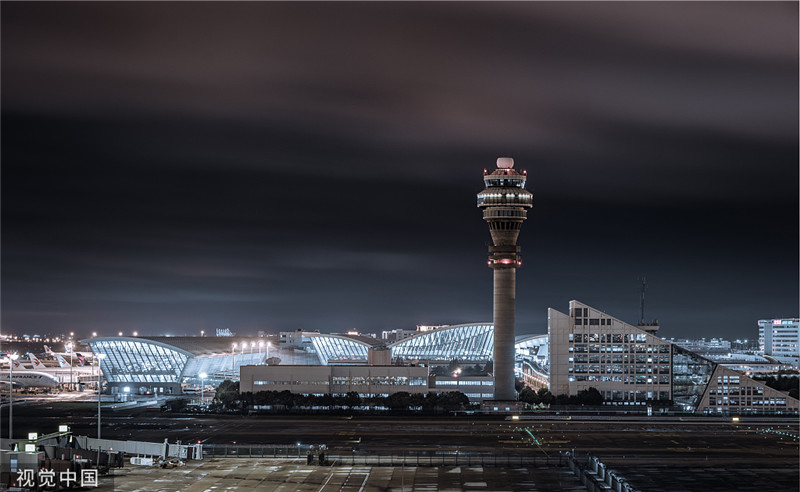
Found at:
(364, 483)
(330, 475)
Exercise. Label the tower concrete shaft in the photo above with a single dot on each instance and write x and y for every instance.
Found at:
(504, 202)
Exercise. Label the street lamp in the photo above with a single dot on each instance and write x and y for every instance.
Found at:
(260, 345)
(12, 358)
(94, 334)
(203, 377)
(252, 344)
(99, 358)
(68, 346)
(233, 361)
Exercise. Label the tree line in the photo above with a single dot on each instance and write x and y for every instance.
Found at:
(588, 397)
(783, 382)
(228, 398)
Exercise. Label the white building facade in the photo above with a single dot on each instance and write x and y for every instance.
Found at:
(780, 339)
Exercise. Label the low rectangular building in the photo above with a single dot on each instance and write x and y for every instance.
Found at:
(367, 381)
(476, 388)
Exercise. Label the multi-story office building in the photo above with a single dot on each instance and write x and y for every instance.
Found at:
(780, 339)
(589, 348)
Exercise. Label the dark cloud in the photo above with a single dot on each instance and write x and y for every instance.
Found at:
(184, 166)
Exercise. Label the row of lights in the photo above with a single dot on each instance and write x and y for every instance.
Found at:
(252, 344)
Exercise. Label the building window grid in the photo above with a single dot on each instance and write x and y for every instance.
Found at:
(599, 360)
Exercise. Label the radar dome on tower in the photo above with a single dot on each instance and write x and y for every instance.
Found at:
(505, 162)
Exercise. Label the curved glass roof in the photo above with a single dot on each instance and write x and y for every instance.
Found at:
(339, 348)
(470, 342)
(139, 360)
(157, 360)
(178, 359)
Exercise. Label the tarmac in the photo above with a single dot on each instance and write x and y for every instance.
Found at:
(275, 475)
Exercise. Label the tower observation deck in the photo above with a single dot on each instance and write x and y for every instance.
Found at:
(505, 203)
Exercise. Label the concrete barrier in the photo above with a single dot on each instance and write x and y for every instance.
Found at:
(594, 475)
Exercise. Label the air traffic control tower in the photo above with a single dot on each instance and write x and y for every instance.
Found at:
(504, 202)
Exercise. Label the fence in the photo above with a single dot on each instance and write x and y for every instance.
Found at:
(454, 458)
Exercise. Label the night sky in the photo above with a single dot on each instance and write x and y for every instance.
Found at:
(171, 168)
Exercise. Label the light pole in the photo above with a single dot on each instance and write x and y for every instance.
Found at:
(203, 377)
(99, 358)
(68, 346)
(252, 344)
(233, 361)
(244, 344)
(11, 358)
(260, 345)
(268, 344)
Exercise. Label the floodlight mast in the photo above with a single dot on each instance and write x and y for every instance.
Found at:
(504, 202)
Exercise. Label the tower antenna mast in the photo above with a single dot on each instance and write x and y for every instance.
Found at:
(644, 288)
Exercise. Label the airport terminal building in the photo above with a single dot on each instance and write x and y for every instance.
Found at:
(167, 365)
(584, 348)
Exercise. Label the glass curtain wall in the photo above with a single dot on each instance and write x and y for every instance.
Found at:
(690, 377)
